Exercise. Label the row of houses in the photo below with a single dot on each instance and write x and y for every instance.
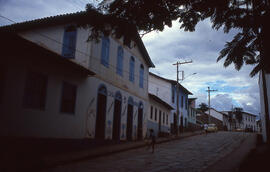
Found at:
(228, 121)
(56, 83)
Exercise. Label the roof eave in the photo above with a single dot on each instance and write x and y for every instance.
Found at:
(172, 82)
(159, 100)
(11, 40)
(68, 18)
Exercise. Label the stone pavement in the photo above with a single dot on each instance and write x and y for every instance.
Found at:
(190, 154)
(231, 162)
(70, 157)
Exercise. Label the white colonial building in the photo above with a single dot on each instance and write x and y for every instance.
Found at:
(159, 115)
(248, 122)
(192, 110)
(165, 89)
(55, 83)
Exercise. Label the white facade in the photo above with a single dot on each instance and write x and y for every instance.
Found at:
(216, 114)
(262, 114)
(249, 121)
(158, 117)
(192, 110)
(160, 88)
(192, 115)
(49, 122)
(226, 122)
(166, 90)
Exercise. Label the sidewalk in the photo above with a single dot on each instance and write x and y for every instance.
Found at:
(69, 157)
(257, 159)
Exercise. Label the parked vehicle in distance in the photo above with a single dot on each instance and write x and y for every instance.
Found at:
(240, 130)
(212, 128)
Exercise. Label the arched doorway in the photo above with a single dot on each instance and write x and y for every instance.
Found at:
(101, 112)
(117, 116)
(129, 119)
(140, 122)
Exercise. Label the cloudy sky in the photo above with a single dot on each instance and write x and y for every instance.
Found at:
(235, 88)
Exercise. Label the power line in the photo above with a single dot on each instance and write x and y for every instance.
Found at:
(7, 18)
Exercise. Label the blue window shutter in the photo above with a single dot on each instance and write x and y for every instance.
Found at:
(131, 69)
(141, 76)
(69, 43)
(119, 69)
(105, 51)
(72, 43)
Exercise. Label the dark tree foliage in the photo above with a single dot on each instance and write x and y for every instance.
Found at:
(250, 17)
(203, 107)
(238, 114)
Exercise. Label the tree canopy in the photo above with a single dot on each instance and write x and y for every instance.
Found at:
(238, 113)
(250, 17)
(203, 107)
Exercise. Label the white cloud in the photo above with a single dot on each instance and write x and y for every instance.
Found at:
(203, 46)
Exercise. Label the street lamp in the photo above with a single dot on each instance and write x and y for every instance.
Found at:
(188, 76)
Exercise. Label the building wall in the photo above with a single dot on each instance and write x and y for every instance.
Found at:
(192, 104)
(111, 90)
(53, 124)
(109, 74)
(226, 122)
(52, 38)
(215, 114)
(50, 122)
(88, 54)
(153, 123)
(160, 88)
(163, 89)
(192, 115)
(267, 78)
(183, 111)
(16, 120)
(249, 121)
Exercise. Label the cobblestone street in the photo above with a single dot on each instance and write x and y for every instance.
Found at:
(190, 154)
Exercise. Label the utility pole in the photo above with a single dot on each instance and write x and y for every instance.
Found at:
(177, 93)
(209, 103)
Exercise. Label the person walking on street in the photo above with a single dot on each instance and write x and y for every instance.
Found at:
(205, 126)
(153, 140)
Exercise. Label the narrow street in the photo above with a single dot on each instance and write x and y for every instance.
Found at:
(190, 154)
